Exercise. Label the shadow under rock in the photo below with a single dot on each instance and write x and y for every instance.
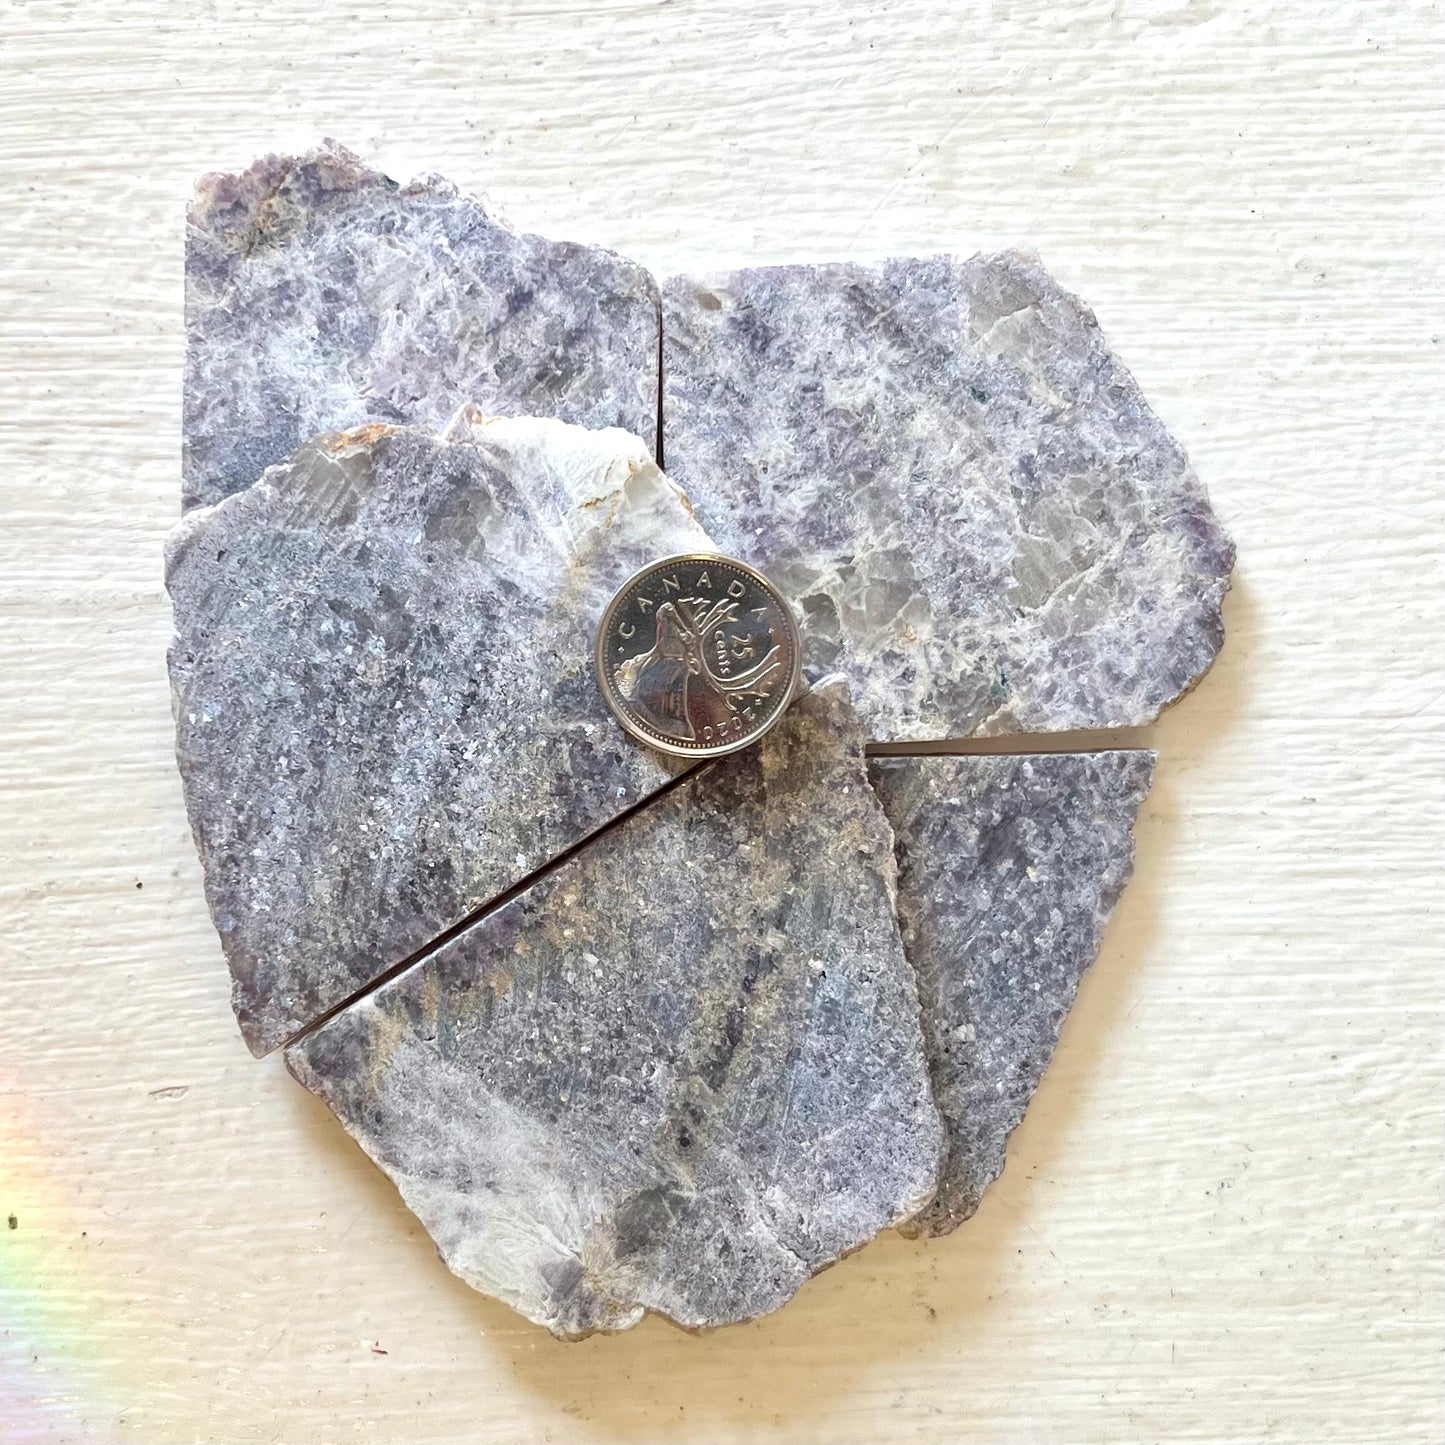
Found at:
(844, 1334)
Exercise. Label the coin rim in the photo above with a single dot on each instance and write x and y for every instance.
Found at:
(617, 707)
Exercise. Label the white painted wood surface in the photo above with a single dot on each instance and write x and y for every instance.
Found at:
(1223, 1216)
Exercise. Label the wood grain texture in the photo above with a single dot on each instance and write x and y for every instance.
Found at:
(1222, 1216)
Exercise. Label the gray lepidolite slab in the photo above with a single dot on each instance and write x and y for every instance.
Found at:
(983, 524)
(1008, 870)
(385, 706)
(320, 295)
(683, 1072)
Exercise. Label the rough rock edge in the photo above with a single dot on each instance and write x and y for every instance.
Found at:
(467, 424)
(928, 1223)
(228, 207)
(1027, 262)
(853, 746)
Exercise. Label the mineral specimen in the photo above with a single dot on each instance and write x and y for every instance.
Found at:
(383, 688)
(1008, 870)
(320, 295)
(981, 521)
(682, 1072)
(690, 1064)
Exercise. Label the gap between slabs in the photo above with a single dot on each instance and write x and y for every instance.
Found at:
(1097, 740)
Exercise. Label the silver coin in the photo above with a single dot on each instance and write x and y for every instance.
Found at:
(698, 655)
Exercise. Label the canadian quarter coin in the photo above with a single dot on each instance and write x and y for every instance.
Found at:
(698, 655)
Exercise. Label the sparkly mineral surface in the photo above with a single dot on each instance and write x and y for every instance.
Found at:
(768, 1009)
(941, 462)
(320, 295)
(682, 1072)
(383, 688)
(1008, 870)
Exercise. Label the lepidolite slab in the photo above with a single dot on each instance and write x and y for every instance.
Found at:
(383, 688)
(681, 1073)
(982, 522)
(320, 295)
(686, 1069)
(1008, 870)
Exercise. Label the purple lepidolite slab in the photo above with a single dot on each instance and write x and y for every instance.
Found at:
(382, 677)
(981, 521)
(1008, 870)
(682, 1072)
(321, 295)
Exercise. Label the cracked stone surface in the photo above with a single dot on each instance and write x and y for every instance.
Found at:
(382, 681)
(321, 295)
(982, 522)
(1008, 870)
(732, 1038)
(681, 1072)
